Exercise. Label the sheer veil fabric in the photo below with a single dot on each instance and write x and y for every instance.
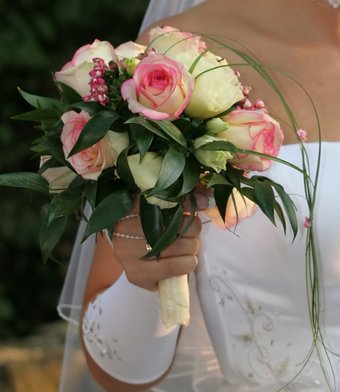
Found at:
(75, 377)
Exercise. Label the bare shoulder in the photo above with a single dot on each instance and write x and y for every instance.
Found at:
(211, 17)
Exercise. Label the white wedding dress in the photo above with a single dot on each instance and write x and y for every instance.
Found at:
(249, 328)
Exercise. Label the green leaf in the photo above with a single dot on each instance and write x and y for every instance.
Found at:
(265, 198)
(172, 131)
(142, 137)
(63, 204)
(152, 221)
(49, 164)
(95, 129)
(220, 145)
(146, 124)
(90, 192)
(171, 169)
(50, 234)
(27, 180)
(184, 125)
(109, 211)
(281, 216)
(68, 94)
(169, 235)
(289, 207)
(221, 195)
(40, 102)
(38, 115)
(89, 107)
(217, 179)
(191, 175)
(123, 168)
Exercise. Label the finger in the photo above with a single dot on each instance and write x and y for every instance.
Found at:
(182, 247)
(148, 274)
(194, 229)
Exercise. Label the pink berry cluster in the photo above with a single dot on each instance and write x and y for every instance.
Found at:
(246, 102)
(98, 86)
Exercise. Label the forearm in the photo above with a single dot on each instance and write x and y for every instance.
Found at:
(123, 334)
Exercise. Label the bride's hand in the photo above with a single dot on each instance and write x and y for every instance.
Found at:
(177, 259)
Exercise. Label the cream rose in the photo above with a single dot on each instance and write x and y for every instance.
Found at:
(145, 175)
(253, 130)
(171, 41)
(217, 160)
(160, 88)
(75, 73)
(90, 162)
(59, 178)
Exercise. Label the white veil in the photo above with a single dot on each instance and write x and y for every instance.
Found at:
(190, 365)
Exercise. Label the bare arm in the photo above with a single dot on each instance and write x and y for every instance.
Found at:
(108, 265)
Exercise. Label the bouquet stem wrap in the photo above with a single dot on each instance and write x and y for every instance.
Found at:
(174, 300)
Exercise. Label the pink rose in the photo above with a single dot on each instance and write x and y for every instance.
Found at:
(253, 130)
(91, 162)
(160, 88)
(75, 73)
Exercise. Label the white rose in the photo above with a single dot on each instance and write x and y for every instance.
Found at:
(75, 73)
(216, 90)
(217, 160)
(145, 175)
(129, 49)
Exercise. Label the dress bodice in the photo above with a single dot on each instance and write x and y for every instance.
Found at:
(252, 289)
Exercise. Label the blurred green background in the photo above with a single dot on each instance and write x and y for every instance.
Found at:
(37, 37)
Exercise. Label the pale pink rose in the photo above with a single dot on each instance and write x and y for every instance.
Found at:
(253, 130)
(90, 162)
(168, 39)
(59, 178)
(160, 88)
(75, 73)
(236, 211)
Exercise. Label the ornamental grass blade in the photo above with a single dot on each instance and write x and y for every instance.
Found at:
(171, 169)
(169, 235)
(94, 130)
(109, 211)
(27, 180)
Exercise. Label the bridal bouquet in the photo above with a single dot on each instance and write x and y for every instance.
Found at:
(151, 122)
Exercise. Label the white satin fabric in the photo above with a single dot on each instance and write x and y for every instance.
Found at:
(253, 293)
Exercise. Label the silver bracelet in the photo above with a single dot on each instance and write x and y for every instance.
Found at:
(129, 236)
